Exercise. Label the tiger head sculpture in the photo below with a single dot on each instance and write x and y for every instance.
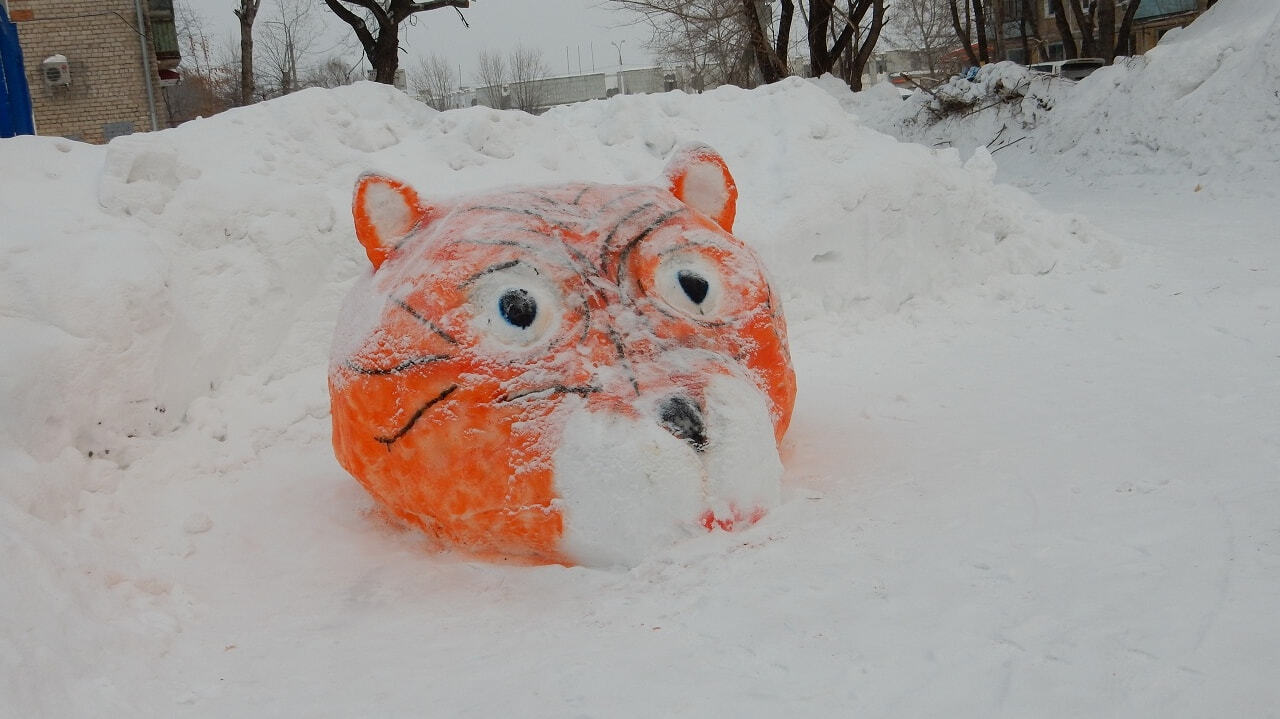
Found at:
(577, 373)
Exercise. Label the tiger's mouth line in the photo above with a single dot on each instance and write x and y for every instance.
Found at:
(391, 439)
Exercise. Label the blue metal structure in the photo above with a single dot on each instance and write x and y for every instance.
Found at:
(15, 96)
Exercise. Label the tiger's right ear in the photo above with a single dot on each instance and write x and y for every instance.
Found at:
(385, 212)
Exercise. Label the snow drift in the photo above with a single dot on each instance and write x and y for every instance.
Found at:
(1205, 102)
(169, 301)
(1022, 478)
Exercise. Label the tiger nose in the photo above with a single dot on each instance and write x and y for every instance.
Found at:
(682, 418)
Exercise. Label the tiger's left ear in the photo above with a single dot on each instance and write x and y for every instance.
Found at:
(385, 211)
(698, 176)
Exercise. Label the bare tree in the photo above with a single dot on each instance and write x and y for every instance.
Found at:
(528, 70)
(866, 36)
(208, 85)
(709, 37)
(971, 28)
(852, 40)
(379, 29)
(494, 77)
(924, 27)
(286, 40)
(771, 57)
(334, 72)
(1099, 34)
(432, 82)
(246, 12)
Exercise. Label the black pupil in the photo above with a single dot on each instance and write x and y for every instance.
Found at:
(693, 284)
(518, 308)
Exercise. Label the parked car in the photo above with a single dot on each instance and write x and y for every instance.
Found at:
(1070, 69)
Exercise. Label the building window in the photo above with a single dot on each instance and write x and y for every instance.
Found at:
(1016, 55)
(1048, 8)
(1055, 51)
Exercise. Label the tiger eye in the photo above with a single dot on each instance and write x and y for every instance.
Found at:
(518, 308)
(694, 285)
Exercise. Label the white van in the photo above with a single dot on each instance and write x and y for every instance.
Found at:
(1070, 69)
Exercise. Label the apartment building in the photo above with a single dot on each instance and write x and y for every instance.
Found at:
(1036, 37)
(95, 68)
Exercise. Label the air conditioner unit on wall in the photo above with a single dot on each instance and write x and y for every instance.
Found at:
(56, 71)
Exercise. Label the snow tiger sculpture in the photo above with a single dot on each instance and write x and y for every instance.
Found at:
(575, 374)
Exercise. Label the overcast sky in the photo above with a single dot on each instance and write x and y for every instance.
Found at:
(582, 27)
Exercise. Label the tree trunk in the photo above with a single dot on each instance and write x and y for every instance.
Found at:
(962, 31)
(998, 24)
(1084, 21)
(773, 67)
(1106, 29)
(385, 54)
(1123, 46)
(784, 28)
(1064, 31)
(247, 12)
(980, 23)
(820, 57)
(868, 43)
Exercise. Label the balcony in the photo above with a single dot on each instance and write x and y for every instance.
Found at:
(1156, 8)
(164, 39)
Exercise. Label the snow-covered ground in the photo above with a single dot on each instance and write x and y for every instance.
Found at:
(1034, 468)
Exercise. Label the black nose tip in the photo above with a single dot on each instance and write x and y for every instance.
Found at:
(682, 418)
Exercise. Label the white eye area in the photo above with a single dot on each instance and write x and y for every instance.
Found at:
(515, 305)
(691, 284)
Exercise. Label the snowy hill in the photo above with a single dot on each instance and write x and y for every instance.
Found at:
(1032, 469)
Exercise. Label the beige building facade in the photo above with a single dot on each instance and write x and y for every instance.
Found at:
(93, 76)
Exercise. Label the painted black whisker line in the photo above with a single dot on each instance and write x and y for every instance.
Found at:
(407, 364)
(416, 416)
(580, 390)
(426, 322)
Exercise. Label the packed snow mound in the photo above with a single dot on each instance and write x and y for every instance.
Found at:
(144, 274)
(168, 301)
(1204, 102)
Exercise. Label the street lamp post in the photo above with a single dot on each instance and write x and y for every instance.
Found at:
(618, 45)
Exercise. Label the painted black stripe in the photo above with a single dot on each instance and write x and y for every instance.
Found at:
(625, 254)
(521, 211)
(494, 268)
(426, 322)
(581, 390)
(416, 416)
(407, 364)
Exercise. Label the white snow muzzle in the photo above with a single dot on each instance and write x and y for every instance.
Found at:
(631, 485)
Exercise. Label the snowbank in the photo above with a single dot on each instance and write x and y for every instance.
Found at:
(143, 275)
(1201, 104)
(167, 303)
